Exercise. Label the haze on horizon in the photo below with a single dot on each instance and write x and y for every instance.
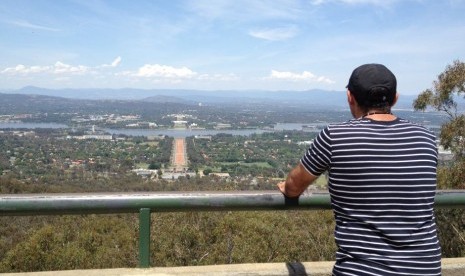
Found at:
(225, 44)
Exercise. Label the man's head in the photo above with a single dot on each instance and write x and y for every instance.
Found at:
(373, 86)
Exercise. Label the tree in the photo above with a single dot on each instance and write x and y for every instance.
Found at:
(449, 86)
(154, 166)
(207, 171)
(442, 97)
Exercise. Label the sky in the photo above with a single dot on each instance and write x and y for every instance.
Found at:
(225, 44)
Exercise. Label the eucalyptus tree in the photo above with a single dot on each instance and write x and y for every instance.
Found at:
(443, 96)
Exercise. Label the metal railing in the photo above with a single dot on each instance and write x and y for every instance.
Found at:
(146, 203)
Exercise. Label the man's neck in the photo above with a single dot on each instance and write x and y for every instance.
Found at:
(380, 116)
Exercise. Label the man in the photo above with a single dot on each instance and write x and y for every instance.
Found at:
(382, 182)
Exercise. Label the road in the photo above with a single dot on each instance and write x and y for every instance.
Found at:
(180, 159)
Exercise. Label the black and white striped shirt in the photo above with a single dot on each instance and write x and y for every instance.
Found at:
(382, 182)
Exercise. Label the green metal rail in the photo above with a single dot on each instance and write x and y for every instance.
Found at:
(146, 203)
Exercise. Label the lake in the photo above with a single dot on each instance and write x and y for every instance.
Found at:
(183, 133)
(177, 133)
(21, 125)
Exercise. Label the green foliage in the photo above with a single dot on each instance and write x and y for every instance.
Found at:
(207, 171)
(450, 84)
(451, 222)
(451, 231)
(76, 243)
(452, 136)
(106, 241)
(452, 176)
(265, 155)
(441, 97)
(178, 239)
(242, 237)
(154, 166)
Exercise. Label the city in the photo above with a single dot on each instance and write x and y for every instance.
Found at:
(162, 147)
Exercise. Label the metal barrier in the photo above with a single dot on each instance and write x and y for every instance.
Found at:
(146, 203)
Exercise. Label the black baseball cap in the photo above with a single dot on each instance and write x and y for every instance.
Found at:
(373, 85)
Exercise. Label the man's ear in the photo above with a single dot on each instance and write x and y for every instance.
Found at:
(395, 99)
(350, 98)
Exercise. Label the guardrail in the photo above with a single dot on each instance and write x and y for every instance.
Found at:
(146, 203)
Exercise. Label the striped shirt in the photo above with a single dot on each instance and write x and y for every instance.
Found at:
(382, 182)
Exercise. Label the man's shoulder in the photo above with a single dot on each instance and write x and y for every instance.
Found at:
(413, 124)
(351, 122)
(368, 123)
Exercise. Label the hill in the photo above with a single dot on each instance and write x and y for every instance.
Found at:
(320, 99)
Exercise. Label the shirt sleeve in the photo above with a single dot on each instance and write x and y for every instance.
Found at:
(318, 157)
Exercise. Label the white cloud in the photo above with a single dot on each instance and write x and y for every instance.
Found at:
(22, 69)
(275, 34)
(62, 68)
(28, 25)
(58, 68)
(164, 71)
(153, 73)
(115, 63)
(304, 76)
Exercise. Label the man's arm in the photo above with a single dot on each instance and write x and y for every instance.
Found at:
(296, 182)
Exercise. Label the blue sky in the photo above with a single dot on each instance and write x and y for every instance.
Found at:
(225, 44)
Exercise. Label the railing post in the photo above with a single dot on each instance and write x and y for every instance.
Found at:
(144, 237)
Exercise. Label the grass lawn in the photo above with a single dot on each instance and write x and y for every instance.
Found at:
(258, 164)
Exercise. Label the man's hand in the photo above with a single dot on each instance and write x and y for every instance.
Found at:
(296, 182)
(282, 187)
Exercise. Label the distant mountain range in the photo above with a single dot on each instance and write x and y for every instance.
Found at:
(311, 98)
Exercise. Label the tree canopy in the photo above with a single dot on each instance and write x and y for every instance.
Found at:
(449, 86)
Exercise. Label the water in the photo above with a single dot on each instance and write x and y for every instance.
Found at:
(183, 133)
(288, 126)
(297, 126)
(177, 133)
(21, 125)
